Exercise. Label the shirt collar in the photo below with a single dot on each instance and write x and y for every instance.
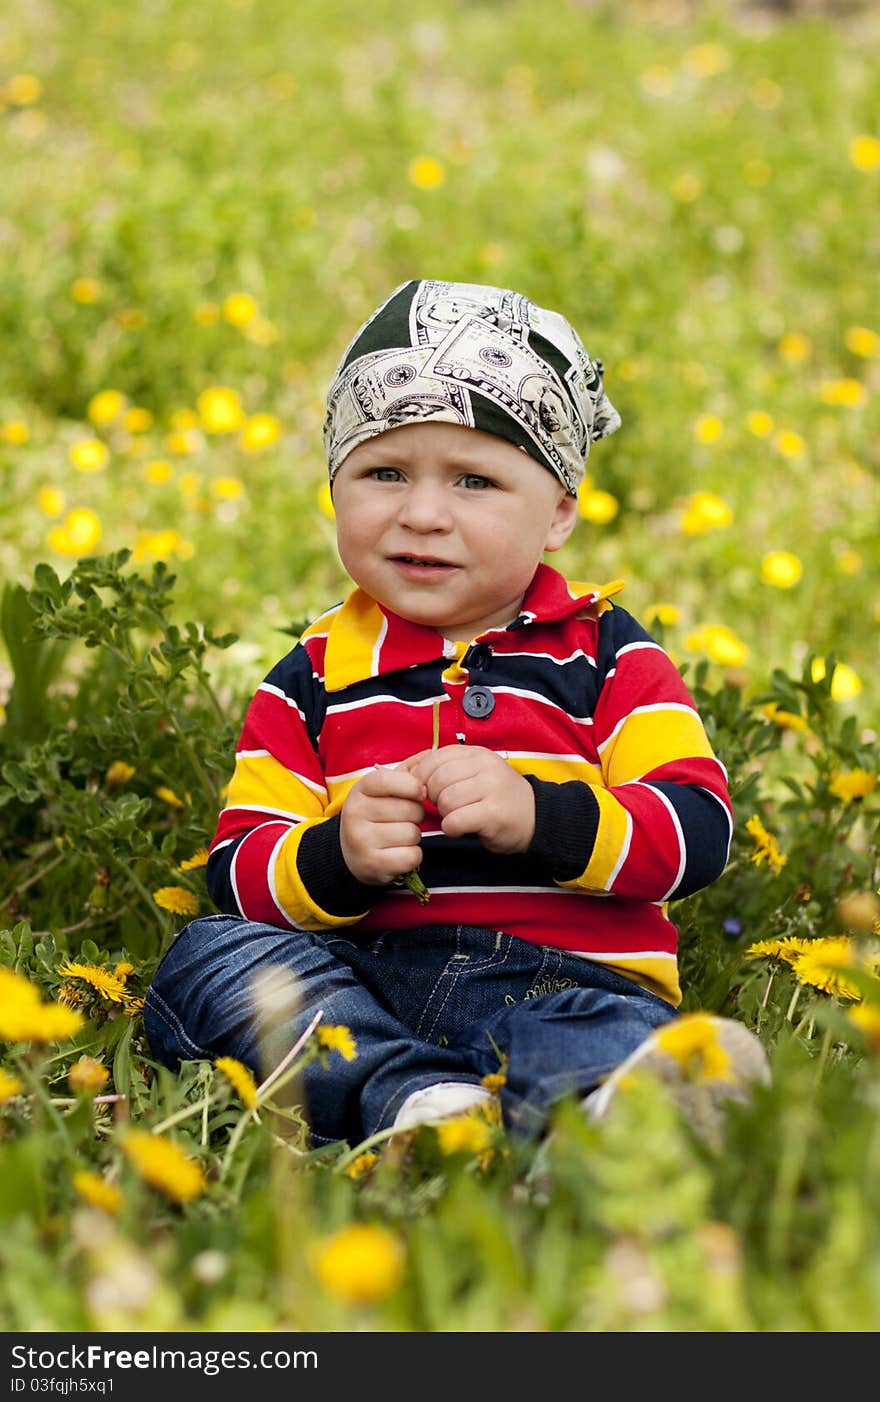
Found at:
(367, 640)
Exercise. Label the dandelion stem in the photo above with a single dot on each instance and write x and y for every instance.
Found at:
(794, 1001)
(823, 1053)
(180, 1115)
(435, 725)
(288, 1056)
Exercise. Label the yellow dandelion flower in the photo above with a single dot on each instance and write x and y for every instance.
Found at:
(164, 1165)
(325, 501)
(177, 899)
(227, 488)
(22, 89)
(24, 1018)
(97, 1192)
(130, 318)
(239, 308)
(198, 859)
(760, 423)
(123, 969)
(494, 1082)
(692, 1040)
(866, 1017)
(89, 455)
(687, 187)
(849, 562)
(794, 347)
(220, 410)
(708, 428)
(852, 784)
(657, 80)
(88, 1075)
(766, 93)
(51, 501)
(705, 60)
(846, 392)
(184, 419)
(119, 772)
(359, 1263)
(240, 1078)
(825, 963)
(106, 406)
(597, 506)
(667, 614)
(262, 332)
(109, 985)
(766, 846)
(169, 796)
(781, 568)
(789, 444)
(338, 1039)
(85, 290)
(137, 419)
(181, 443)
(15, 432)
(361, 1165)
(718, 642)
(786, 720)
(206, 314)
(861, 340)
(158, 471)
(464, 1134)
(426, 173)
(704, 511)
(845, 682)
(260, 431)
(864, 152)
(787, 948)
(9, 1086)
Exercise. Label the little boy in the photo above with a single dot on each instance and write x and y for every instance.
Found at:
(468, 714)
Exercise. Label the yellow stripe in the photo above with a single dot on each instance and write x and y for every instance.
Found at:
(292, 894)
(650, 738)
(557, 771)
(610, 837)
(353, 636)
(263, 781)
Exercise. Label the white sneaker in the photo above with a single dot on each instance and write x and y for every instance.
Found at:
(440, 1102)
(702, 1059)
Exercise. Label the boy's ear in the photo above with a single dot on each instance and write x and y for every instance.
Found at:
(563, 522)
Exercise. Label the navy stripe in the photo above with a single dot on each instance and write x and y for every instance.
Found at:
(706, 831)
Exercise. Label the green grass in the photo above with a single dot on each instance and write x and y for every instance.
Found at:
(685, 191)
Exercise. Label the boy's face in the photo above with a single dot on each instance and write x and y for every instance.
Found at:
(446, 525)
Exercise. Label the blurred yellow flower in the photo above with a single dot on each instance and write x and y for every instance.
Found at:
(760, 423)
(692, 1041)
(861, 340)
(169, 796)
(22, 89)
(260, 431)
(465, 1134)
(338, 1039)
(789, 444)
(177, 900)
(14, 432)
(190, 483)
(85, 290)
(852, 784)
(766, 93)
(845, 683)
(198, 859)
(88, 1075)
(786, 720)
(227, 488)
(426, 172)
(158, 470)
(864, 152)
(781, 568)
(184, 419)
(359, 1263)
(795, 347)
(597, 506)
(705, 60)
(158, 545)
(51, 501)
(25, 1018)
(240, 1078)
(262, 332)
(704, 511)
(206, 314)
(97, 1192)
(239, 308)
(220, 410)
(847, 392)
(137, 419)
(182, 442)
(719, 643)
(708, 428)
(106, 406)
(89, 455)
(657, 80)
(361, 1165)
(687, 187)
(164, 1165)
(766, 846)
(119, 772)
(130, 318)
(325, 500)
(849, 562)
(667, 614)
(79, 533)
(866, 1017)
(9, 1086)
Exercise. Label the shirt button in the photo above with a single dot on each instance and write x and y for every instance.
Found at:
(478, 702)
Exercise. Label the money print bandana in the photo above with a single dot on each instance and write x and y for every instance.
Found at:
(479, 356)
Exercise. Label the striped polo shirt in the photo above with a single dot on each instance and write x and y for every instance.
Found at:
(632, 806)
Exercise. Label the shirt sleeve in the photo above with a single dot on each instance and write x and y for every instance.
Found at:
(275, 856)
(660, 825)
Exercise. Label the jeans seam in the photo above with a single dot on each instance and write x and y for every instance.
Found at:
(160, 1008)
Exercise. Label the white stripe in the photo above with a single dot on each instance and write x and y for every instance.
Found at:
(221, 845)
(535, 696)
(377, 648)
(252, 754)
(270, 876)
(682, 849)
(548, 657)
(282, 696)
(264, 808)
(610, 957)
(541, 754)
(645, 710)
(377, 700)
(638, 647)
(725, 810)
(624, 852)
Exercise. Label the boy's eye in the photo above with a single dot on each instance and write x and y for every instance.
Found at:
(384, 474)
(474, 482)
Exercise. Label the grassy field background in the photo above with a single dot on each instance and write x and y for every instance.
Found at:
(200, 203)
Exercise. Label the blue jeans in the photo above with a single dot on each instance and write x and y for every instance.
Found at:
(439, 1003)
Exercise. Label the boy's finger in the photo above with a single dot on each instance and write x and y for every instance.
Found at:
(381, 781)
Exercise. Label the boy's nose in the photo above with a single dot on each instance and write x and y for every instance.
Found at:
(423, 508)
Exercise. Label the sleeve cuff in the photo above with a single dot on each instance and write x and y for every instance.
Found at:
(322, 871)
(566, 823)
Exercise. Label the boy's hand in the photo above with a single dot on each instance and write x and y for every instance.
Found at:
(379, 825)
(476, 791)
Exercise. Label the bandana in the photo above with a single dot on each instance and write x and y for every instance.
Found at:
(479, 356)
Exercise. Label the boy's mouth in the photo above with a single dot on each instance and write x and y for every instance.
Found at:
(425, 562)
